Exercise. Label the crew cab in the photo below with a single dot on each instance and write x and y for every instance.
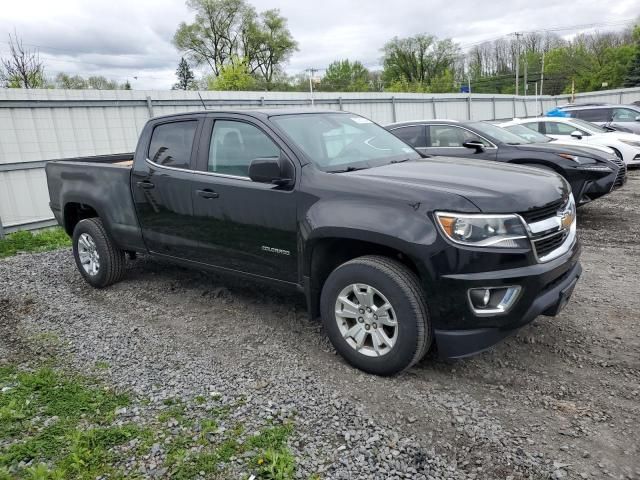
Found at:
(395, 251)
(590, 173)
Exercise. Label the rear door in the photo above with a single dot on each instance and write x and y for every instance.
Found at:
(447, 140)
(162, 185)
(242, 225)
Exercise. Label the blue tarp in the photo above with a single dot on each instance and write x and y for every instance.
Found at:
(556, 112)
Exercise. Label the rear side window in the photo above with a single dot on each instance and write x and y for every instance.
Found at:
(171, 144)
(592, 114)
(235, 144)
(414, 135)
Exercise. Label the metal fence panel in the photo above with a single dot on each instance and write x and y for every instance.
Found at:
(40, 125)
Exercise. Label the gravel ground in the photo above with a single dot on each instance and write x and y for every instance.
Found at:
(561, 399)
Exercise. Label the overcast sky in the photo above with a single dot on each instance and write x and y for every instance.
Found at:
(123, 39)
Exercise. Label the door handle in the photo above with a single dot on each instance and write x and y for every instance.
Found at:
(146, 185)
(208, 194)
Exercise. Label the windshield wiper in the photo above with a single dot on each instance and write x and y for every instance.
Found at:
(399, 161)
(348, 169)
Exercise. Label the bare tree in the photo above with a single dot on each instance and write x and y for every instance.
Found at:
(23, 68)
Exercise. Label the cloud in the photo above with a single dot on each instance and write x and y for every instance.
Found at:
(124, 39)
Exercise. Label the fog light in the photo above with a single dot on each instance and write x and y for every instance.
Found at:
(493, 300)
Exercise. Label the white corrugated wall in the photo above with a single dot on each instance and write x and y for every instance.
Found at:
(40, 125)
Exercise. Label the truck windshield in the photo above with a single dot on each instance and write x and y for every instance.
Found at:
(338, 142)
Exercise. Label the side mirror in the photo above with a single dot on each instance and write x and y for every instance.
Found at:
(577, 134)
(475, 144)
(274, 170)
(638, 118)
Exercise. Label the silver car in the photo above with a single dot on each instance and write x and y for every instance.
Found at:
(625, 118)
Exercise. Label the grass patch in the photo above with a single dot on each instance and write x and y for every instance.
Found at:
(61, 426)
(41, 241)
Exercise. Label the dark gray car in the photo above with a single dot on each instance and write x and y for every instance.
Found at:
(625, 118)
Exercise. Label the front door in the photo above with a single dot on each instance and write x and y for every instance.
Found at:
(243, 226)
(161, 186)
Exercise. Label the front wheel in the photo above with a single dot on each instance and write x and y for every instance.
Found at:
(99, 260)
(375, 314)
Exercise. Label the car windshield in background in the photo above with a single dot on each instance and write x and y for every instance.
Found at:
(588, 126)
(526, 133)
(498, 133)
(338, 142)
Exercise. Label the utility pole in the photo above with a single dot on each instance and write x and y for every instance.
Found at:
(517, 35)
(542, 74)
(311, 71)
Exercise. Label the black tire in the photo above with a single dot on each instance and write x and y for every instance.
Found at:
(111, 258)
(402, 289)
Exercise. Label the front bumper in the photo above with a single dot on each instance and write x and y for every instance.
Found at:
(546, 288)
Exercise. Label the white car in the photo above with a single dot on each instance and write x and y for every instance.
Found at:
(534, 136)
(625, 145)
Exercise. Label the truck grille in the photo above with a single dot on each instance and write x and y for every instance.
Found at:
(548, 244)
(541, 213)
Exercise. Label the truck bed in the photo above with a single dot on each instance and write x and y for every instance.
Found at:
(101, 183)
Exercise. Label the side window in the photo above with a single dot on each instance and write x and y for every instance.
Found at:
(443, 136)
(235, 144)
(171, 144)
(557, 128)
(624, 115)
(593, 114)
(414, 135)
(535, 126)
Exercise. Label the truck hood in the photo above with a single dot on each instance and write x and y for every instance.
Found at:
(493, 187)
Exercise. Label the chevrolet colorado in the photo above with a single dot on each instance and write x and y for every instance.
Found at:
(396, 251)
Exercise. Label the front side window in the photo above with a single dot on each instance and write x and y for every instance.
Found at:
(556, 128)
(171, 144)
(446, 136)
(413, 135)
(625, 115)
(234, 145)
(335, 142)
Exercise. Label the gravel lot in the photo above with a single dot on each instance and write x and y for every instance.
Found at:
(559, 400)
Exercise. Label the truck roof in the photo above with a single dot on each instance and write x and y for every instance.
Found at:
(257, 112)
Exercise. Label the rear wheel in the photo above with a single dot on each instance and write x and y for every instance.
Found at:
(375, 314)
(97, 257)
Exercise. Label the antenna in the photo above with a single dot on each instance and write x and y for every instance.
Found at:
(203, 105)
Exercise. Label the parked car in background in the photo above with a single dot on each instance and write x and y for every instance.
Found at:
(624, 118)
(536, 137)
(625, 145)
(591, 174)
(394, 251)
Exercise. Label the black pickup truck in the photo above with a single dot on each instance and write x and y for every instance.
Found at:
(395, 250)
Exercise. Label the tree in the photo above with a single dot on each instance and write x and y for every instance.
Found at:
(226, 31)
(418, 60)
(75, 82)
(632, 78)
(269, 44)
(23, 68)
(186, 78)
(233, 76)
(345, 76)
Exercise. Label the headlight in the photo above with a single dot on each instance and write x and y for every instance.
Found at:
(502, 231)
(568, 156)
(633, 143)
